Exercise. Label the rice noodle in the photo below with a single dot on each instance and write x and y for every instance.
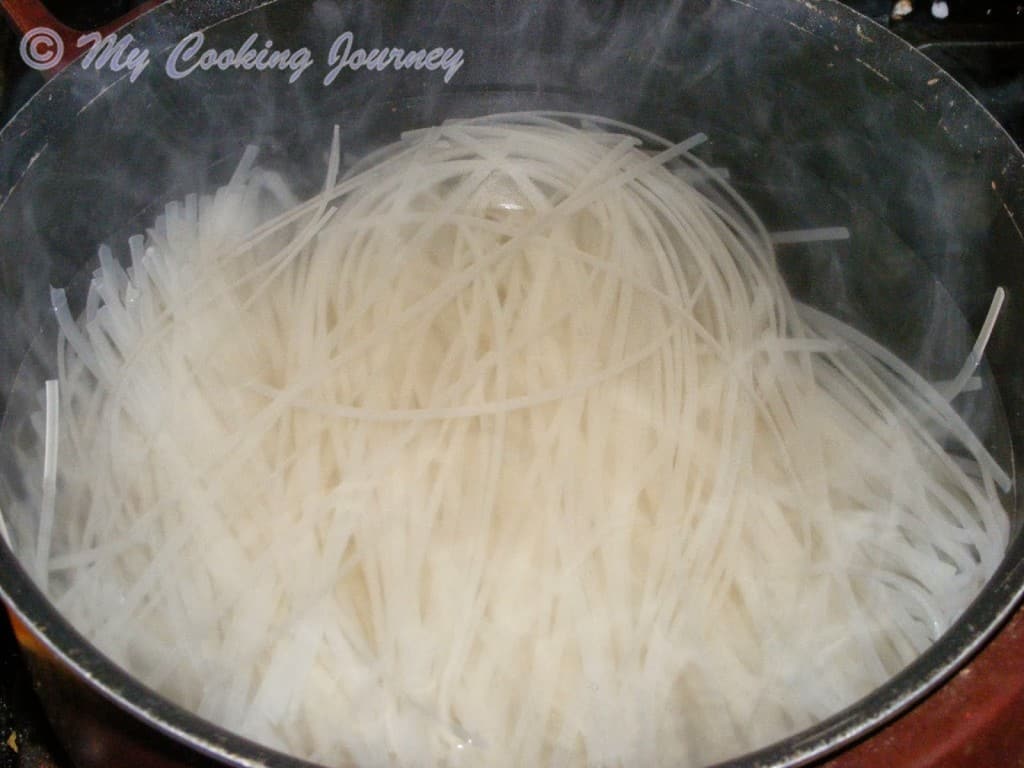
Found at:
(508, 448)
(818, 235)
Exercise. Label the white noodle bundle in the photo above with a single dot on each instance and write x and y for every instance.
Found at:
(509, 449)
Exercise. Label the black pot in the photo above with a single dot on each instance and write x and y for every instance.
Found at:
(822, 117)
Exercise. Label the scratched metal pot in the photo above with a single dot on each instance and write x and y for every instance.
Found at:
(822, 118)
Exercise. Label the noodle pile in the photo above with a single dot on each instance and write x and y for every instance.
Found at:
(510, 448)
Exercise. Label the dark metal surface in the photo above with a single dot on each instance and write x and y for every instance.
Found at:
(951, 123)
(26, 738)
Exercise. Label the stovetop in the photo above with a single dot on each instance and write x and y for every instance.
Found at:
(979, 42)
